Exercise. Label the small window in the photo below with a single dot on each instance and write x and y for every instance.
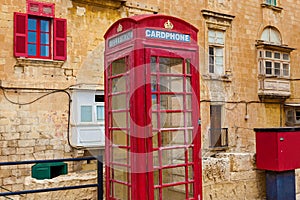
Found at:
(86, 113)
(271, 35)
(268, 54)
(40, 9)
(286, 57)
(268, 67)
(277, 55)
(277, 69)
(218, 135)
(100, 113)
(88, 107)
(87, 117)
(216, 37)
(297, 115)
(99, 100)
(274, 63)
(286, 70)
(38, 38)
(211, 60)
(216, 52)
(292, 116)
(38, 34)
(271, 2)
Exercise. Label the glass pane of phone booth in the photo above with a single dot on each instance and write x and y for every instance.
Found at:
(172, 128)
(118, 127)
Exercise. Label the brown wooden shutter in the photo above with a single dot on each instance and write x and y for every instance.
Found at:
(20, 35)
(215, 125)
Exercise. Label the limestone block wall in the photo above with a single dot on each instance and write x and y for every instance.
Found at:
(34, 100)
(232, 176)
(72, 179)
(32, 127)
(31, 132)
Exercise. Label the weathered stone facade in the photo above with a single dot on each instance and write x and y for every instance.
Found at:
(34, 108)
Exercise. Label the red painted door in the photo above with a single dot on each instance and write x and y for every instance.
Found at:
(152, 131)
(172, 97)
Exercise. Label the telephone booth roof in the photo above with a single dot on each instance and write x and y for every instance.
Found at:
(166, 24)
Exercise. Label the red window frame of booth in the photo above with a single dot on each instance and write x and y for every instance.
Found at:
(111, 164)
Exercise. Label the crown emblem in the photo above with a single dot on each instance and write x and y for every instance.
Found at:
(120, 28)
(168, 25)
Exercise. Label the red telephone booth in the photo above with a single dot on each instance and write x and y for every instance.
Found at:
(152, 109)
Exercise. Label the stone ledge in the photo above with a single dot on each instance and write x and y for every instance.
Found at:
(114, 4)
(142, 6)
(275, 8)
(212, 77)
(34, 85)
(40, 63)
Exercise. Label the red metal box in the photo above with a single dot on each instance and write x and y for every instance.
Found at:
(278, 149)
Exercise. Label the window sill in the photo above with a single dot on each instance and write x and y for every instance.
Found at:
(264, 76)
(290, 124)
(87, 124)
(274, 8)
(39, 62)
(219, 148)
(214, 77)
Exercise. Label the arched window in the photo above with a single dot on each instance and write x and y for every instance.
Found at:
(274, 60)
(271, 35)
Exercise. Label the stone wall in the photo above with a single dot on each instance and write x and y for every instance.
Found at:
(72, 179)
(34, 112)
(232, 176)
(34, 108)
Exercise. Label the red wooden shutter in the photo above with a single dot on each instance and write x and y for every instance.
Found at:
(60, 39)
(20, 34)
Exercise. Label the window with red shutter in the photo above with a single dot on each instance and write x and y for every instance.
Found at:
(35, 30)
